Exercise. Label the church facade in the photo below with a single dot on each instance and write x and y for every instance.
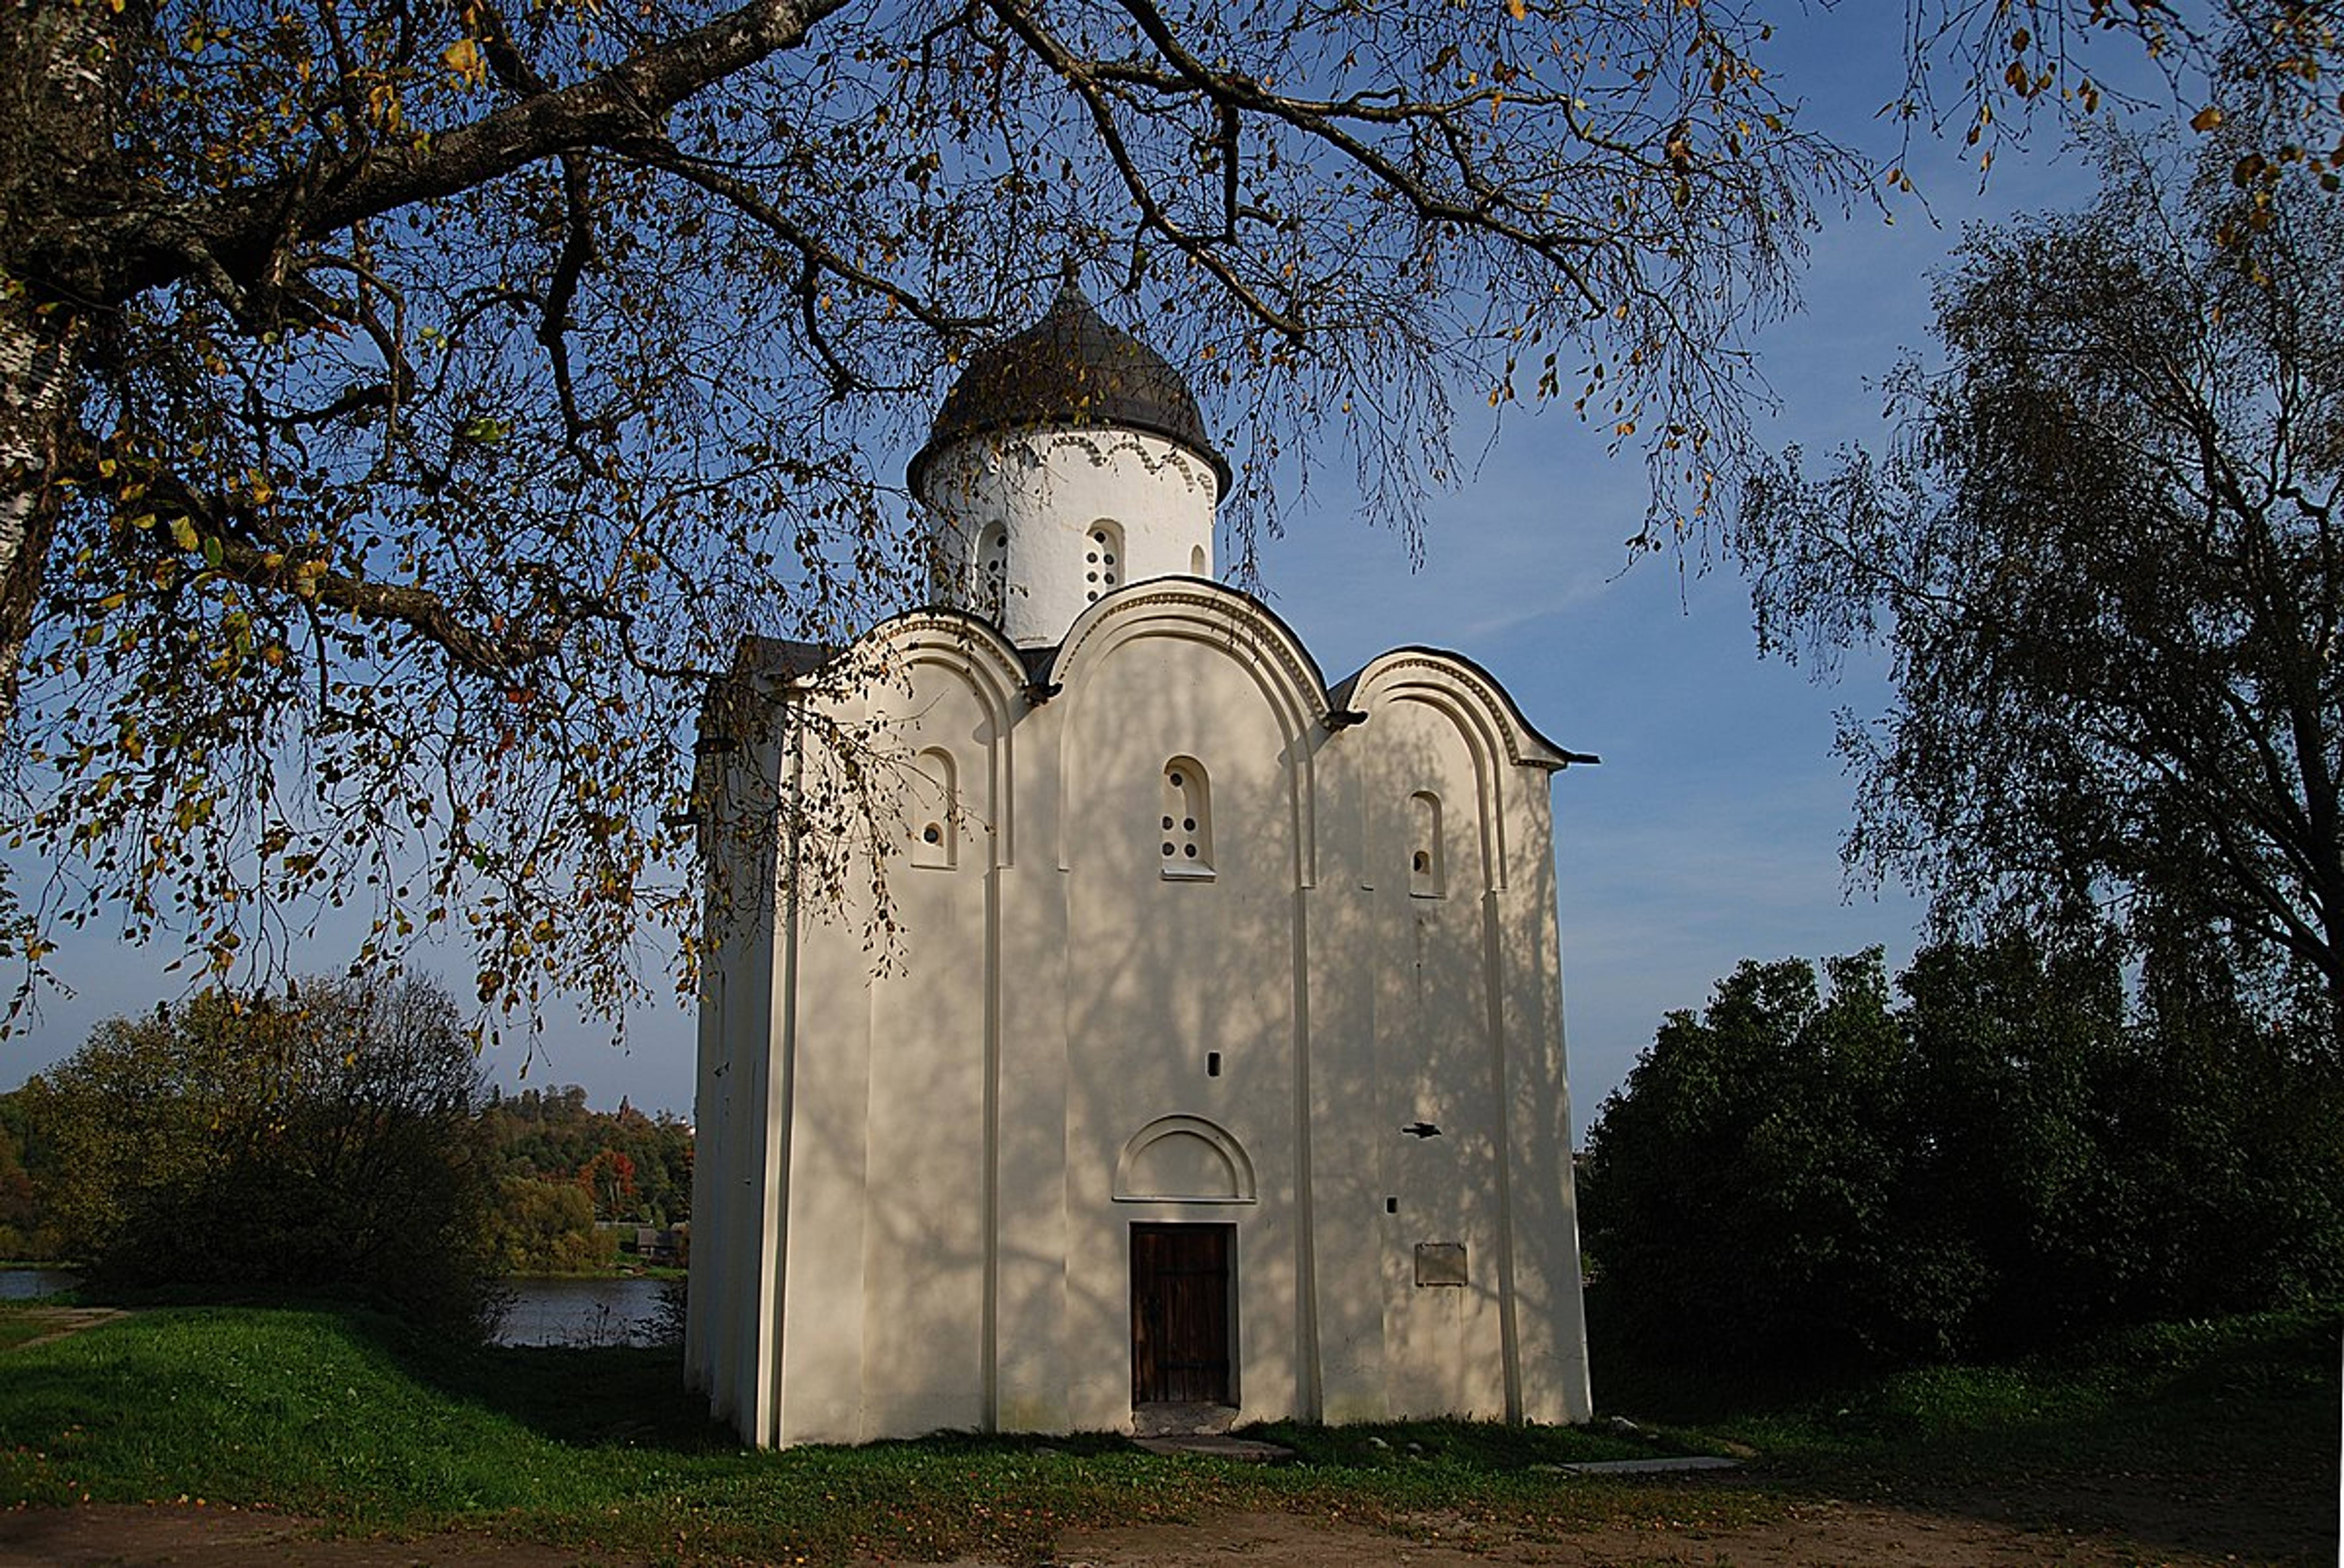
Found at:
(1208, 1064)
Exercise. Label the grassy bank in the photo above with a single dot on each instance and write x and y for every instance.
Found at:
(2218, 1437)
(342, 1416)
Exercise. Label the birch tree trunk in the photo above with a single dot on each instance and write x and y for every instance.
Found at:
(36, 417)
(59, 74)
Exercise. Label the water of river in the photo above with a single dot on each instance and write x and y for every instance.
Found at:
(552, 1311)
(22, 1284)
(563, 1311)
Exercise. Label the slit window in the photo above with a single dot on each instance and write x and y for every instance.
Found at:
(1103, 566)
(989, 590)
(1427, 877)
(933, 804)
(1187, 819)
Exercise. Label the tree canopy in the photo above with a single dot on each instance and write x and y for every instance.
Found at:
(406, 405)
(2104, 548)
(1797, 1179)
(317, 1143)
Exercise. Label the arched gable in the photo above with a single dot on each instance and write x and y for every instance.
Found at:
(922, 643)
(1495, 734)
(1239, 627)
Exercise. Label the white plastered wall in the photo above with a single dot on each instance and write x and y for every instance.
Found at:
(1049, 487)
(890, 1234)
(954, 1253)
(741, 1115)
(1167, 972)
(1463, 1003)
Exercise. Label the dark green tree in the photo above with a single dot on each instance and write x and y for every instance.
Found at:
(2104, 548)
(23, 1234)
(2228, 1114)
(2010, 1148)
(548, 1228)
(321, 1143)
(1739, 1196)
(2008, 1160)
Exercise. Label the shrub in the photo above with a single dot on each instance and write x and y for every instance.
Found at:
(321, 1143)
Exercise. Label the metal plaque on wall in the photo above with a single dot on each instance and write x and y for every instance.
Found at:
(1441, 1262)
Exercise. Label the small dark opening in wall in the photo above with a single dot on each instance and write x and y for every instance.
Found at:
(1212, 1064)
(1391, 1205)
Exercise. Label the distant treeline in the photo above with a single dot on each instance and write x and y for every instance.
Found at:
(561, 1167)
(570, 1184)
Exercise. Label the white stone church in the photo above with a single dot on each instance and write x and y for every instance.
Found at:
(1213, 1071)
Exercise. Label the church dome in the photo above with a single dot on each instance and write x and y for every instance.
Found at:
(1070, 369)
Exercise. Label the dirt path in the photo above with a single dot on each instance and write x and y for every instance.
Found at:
(1823, 1534)
(1810, 1535)
(1817, 1534)
(132, 1535)
(57, 1323)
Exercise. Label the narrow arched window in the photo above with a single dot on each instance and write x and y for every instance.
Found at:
(933, 803)
(1427, 874)
(990, 592)
(1102, 559)
(1187, 819)
(1198, 566)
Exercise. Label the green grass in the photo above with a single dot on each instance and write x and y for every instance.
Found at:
(2247, 1384)
(2217, 1436)
(342, 1415)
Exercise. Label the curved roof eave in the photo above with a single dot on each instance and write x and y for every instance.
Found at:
(915, 472)
(1312, 692)
(1536, 751)
(1012, 662)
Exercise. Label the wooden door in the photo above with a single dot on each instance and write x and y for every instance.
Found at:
(1181, 1314)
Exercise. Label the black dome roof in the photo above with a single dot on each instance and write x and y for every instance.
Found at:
(1070, 369)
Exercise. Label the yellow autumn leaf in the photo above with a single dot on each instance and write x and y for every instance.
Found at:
(463, 57)
(2206, 119)
(1516, 9)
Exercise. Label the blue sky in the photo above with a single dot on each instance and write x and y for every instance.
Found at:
(1711, 831)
